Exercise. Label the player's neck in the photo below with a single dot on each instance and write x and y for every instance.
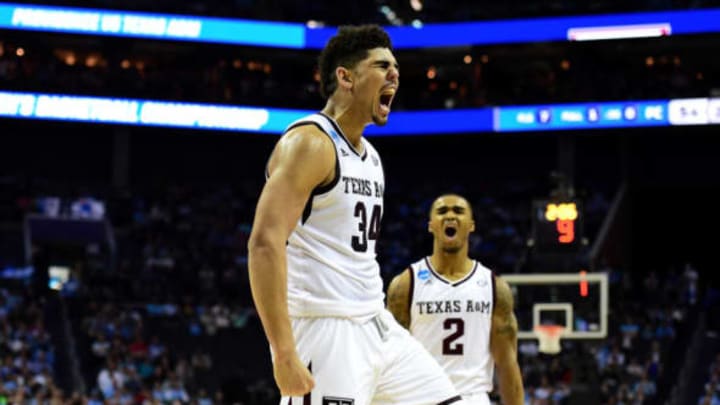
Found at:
(451, 265)
(351, 123)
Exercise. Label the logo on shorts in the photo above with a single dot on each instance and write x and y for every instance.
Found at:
(424, 274)
(338, 401)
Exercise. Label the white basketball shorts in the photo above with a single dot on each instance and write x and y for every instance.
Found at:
(476, 399)
(373, 363)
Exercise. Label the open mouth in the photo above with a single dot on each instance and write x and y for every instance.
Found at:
(450, 231)
(385, 101)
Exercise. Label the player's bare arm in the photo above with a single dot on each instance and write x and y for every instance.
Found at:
(398, 298)
(503, 345)
(303, 159)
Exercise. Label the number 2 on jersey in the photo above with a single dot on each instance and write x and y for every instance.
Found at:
(457, 325)
(367, 231)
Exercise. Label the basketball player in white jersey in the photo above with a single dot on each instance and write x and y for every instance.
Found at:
(459, 310)
(313, 274)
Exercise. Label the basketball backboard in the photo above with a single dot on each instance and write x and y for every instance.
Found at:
(577, 301)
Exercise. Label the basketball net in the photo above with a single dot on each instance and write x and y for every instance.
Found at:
(549, 338)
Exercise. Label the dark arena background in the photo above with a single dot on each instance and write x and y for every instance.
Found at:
(134, 142)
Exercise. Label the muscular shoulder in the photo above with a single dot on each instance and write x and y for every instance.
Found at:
(503, 341)
(503, 297)
(400, 284)
(304, 148)
(306, 135)
(398, 297)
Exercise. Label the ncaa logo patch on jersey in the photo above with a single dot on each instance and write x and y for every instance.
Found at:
(375, 160)
(423, 274)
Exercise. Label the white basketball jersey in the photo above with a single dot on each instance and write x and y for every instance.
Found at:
(452, 319)
(332, 270)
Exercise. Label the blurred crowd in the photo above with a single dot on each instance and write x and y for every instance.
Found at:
(711, 388)
(173, 317)
(27, 355)
(650, 312)
(469, 79)
(123, 366)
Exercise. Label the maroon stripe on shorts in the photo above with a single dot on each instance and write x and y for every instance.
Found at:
(451, 400)
(306, 398)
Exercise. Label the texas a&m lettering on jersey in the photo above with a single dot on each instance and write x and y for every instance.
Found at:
(453, 307)
(364, 187)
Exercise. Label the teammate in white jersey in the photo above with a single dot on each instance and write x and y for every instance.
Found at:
(313, 273)
(459, 310)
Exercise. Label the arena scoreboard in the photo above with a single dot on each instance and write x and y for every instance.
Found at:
(557, 225)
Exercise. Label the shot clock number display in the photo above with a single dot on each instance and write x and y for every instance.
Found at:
(557, 225)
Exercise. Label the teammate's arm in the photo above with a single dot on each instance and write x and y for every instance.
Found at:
(303, 159)
(503, 345)
(398, 298)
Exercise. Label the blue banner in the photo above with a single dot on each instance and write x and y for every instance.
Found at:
(583, 116)
(548, 117)
(295, 35)
(217, 116)
(148, 25)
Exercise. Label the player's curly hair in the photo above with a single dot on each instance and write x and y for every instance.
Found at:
(348, 47)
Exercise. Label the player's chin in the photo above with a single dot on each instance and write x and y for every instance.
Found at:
(452, 242)
(448, 248)
(380, 119)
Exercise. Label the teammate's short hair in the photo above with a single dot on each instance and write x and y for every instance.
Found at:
(348, 47)
(449, 194)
